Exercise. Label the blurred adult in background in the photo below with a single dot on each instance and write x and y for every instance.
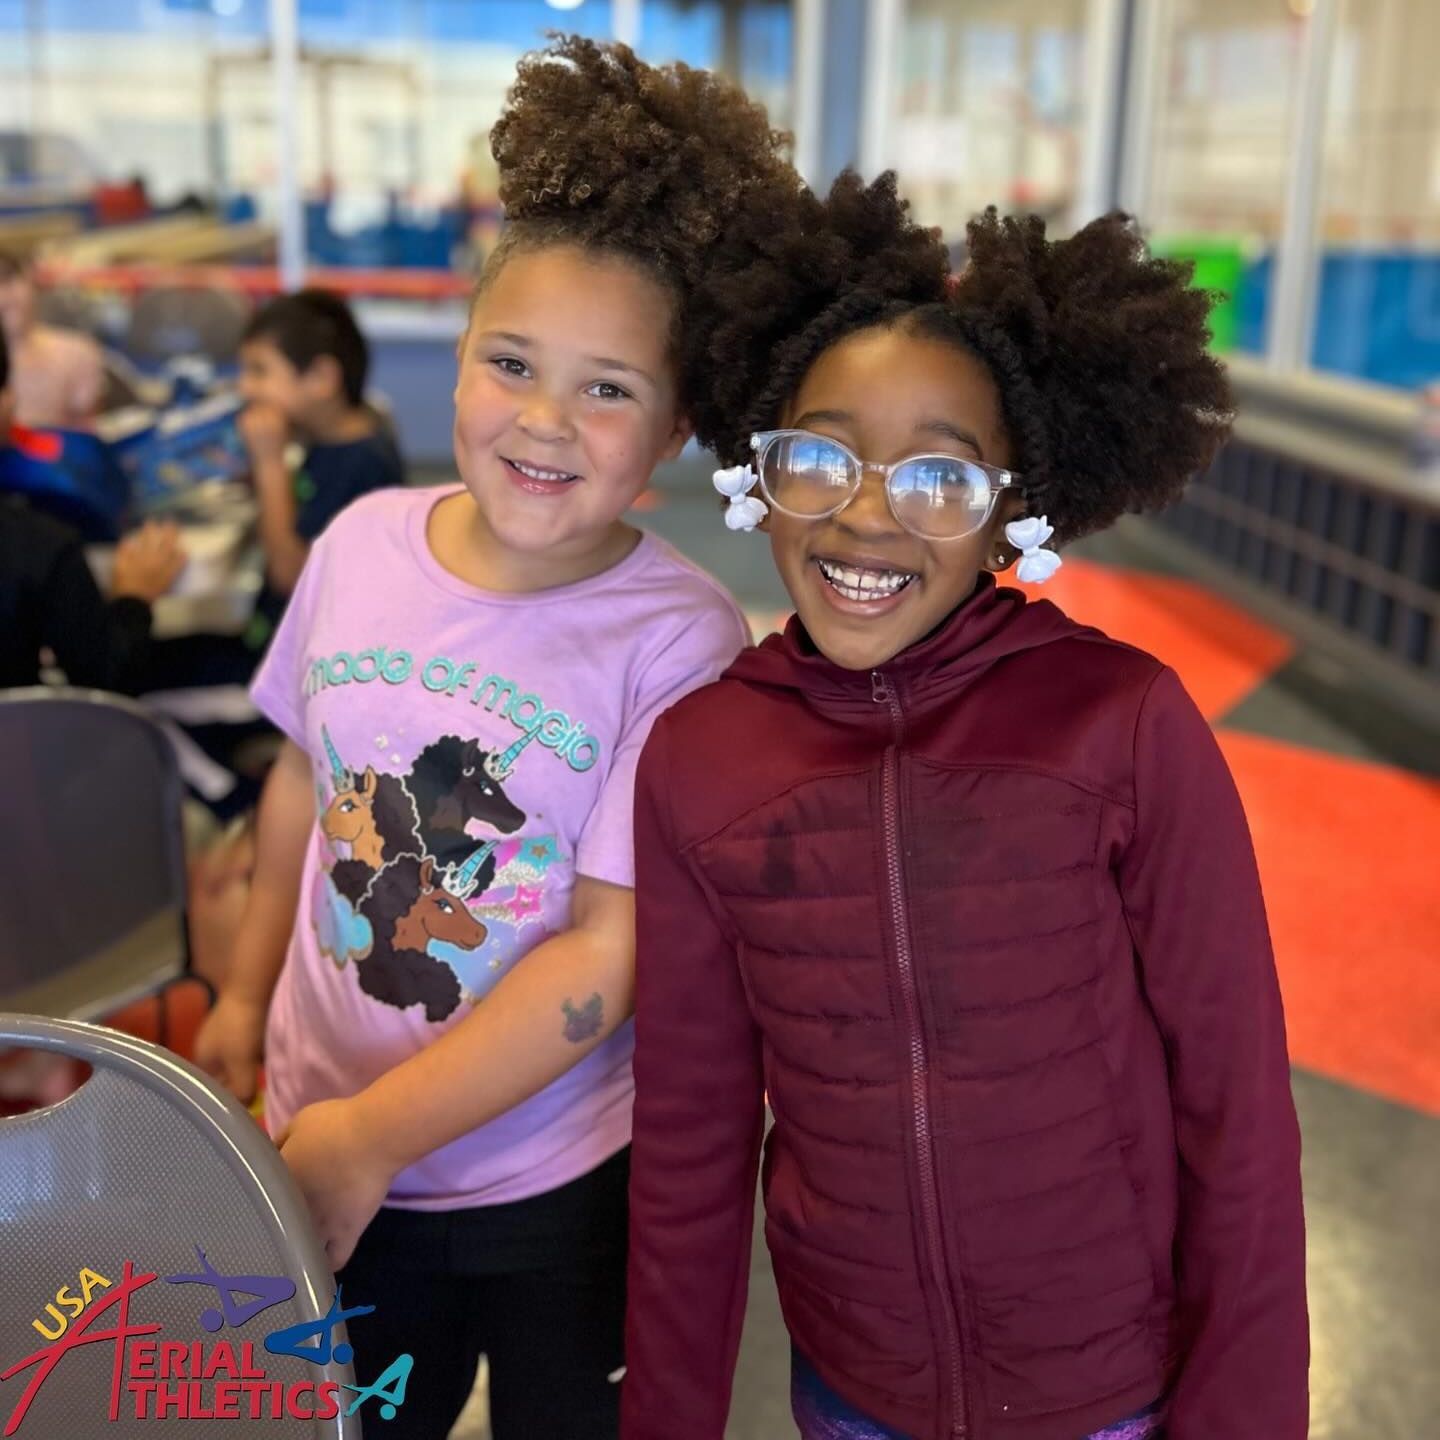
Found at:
(59, 375)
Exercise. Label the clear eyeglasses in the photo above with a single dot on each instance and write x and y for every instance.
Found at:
(938, 497)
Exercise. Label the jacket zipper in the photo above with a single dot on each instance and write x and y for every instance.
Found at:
(883, 693)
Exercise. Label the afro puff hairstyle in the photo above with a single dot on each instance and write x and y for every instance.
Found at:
(1098, 350)
(646, 163)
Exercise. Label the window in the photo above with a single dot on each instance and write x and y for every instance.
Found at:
(989, 109)
(1221, 152)
(1378, 297)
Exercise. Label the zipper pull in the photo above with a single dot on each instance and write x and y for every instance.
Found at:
(879, 692)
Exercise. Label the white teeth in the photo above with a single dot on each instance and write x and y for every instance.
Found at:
(857, 584)
(534, 472)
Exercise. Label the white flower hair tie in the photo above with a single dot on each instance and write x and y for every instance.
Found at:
(745, 511)
(1027, 536)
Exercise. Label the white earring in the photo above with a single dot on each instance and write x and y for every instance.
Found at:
(1027, 536)
(745, 511)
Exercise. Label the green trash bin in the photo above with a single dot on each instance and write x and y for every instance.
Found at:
(1219, 262)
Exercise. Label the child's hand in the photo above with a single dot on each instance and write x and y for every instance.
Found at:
(343, 1179)
(230, 1042)
(148, 561)
(265, 431)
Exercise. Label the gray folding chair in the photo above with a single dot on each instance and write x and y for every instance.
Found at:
(169, 322)
(92, 861)
(140, 1169)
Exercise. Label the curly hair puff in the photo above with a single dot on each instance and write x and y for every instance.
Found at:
(600, 150)
(1109, 395)
(785, 282)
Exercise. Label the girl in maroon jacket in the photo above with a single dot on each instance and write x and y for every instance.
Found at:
(964, 886)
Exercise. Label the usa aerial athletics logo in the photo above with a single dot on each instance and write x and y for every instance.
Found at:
(160, 1374)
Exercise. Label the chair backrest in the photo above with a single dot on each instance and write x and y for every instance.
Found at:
(67, 307)
(136, 1173)
(92, 863)
(170, 322)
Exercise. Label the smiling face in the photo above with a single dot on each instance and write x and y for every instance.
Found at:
(866, 588)
(481, 798)
(351, 813)
(566, 399)
(436, 914)
(345, 817)
(443, 916)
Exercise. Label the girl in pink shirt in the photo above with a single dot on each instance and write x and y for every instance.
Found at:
(439, 951)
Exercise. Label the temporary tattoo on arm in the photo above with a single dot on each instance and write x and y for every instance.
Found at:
(584, 1023)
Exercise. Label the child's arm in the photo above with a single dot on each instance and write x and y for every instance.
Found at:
(266, 433)
(1192, 897)
(230, 1041)
(699, 1121)
(106, 646)
(544, 1017)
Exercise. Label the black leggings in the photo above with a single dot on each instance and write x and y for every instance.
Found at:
(537, 1286)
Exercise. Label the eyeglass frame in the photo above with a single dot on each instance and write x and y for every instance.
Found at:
(1000, 479)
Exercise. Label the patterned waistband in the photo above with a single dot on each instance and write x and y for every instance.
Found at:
(822, 1415)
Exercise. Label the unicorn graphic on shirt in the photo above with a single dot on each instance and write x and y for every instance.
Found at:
(374, 814)
(409, 904)
(456, 782)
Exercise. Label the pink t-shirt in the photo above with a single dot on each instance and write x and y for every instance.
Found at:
(473, 752)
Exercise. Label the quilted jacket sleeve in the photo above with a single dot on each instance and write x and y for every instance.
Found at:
(699, 1113)
(1192, 894)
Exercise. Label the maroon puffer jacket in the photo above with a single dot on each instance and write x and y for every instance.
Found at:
(986, 924)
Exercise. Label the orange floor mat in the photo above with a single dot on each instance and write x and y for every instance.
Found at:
(1219, 652)
(1347, 856)
(1346, 847)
